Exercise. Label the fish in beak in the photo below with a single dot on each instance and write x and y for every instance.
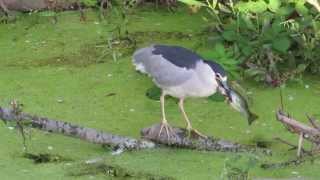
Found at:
(240, 104)
(235, 100)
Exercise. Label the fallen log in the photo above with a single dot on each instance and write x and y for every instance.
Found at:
(149, 139)
(69, 129)
(184, 140)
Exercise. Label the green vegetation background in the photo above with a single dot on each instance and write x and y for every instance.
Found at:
(60, 71)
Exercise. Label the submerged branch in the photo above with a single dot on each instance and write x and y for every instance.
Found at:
(69, 129)
(150, 135)
(294, 162)
(184, 140)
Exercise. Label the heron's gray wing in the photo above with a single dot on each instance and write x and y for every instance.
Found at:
(163, 72)
(177, 55)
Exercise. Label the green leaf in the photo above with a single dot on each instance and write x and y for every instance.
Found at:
(281, 44)
(258, 6)
(246, 50)
(276, 27)
(242, 7)
(274, 5)
(246, 22)
(301, 8)
(153, 93)
(192, 2)
(219, 49)
(252, 6)
(224, 57)
(229, 35)
(285, 10)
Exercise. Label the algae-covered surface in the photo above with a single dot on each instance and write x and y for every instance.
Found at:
(66, 71)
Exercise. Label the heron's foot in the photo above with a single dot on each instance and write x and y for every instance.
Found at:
(169, 131)
(192, 131)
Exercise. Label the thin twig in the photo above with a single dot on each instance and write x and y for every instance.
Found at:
(313, 122)
(281, 100)
(292, 145)
(300, 144)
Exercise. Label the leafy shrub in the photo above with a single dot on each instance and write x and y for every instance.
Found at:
(224, 57)
(273, 40)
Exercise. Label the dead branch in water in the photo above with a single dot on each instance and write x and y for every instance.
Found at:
(69, 129)
(294, 162)
(304, 131)
(182, 139)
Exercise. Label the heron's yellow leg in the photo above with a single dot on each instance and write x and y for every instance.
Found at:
(189, 127)
(164, 124)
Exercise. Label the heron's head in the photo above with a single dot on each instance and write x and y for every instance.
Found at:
(221, 78)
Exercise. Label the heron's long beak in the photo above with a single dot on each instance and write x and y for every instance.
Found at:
(224, 89)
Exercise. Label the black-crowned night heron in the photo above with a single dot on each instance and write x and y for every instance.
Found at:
(180, 73)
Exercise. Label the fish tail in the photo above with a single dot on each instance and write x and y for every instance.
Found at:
(252, 117)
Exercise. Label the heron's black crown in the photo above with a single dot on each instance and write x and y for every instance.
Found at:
(217, 68)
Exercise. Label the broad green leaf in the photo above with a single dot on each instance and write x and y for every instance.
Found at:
(246, 50)
(274, 5)
(281, 44)
(246, 22)
(229, 35)
(285, 10)
(252, 6)
(301, 8)
(258, 6)
(219, 49)
(224, 57)
(193, 2)
(242, 7)
(277, 27)
(153, 93)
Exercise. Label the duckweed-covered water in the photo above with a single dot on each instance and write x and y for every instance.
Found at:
(66, 71)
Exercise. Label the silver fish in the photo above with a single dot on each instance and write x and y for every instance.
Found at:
(235, 99)
(240, 104)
